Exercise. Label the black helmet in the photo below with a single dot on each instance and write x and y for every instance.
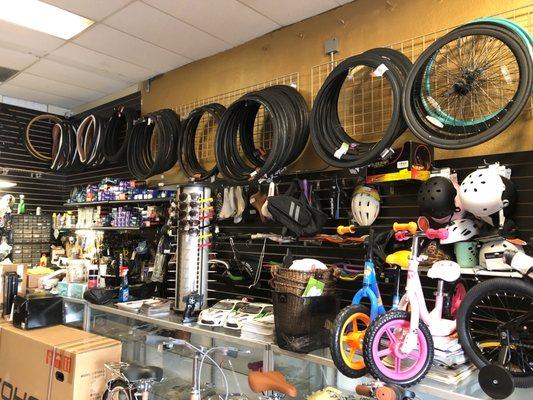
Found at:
(436, 197)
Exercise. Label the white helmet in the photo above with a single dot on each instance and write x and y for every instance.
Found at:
(482, 192)
(460, 230)
(365, 205)
(496, 247)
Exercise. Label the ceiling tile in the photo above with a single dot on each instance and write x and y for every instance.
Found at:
(288, 12)
(229, 20)
(23, 93)
(76, 76)
(93, 9)
(98, 62)
(26, 40)
(128, 48)
(15, 59)
(53, 87)
(159, 28)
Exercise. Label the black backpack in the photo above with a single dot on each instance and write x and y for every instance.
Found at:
(297, 214)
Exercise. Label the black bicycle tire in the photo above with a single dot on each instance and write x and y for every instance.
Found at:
(335, 342)
(119, 383)
(188, 159)
(237, 122)
(367, 348)
(327, 133)
(518, 48)
(475, 294)
(122, 119)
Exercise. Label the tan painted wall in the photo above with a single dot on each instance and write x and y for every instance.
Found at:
(359, 26)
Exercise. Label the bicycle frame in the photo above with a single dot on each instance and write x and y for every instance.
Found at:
(414, 297)
(370, 290)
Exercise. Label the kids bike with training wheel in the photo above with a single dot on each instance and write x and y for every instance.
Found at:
(398, 345)
(350, 325)
(495, 326)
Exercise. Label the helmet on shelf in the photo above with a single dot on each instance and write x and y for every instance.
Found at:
(365, 205)
(498, 246)
(459, 212)
(460, 230)
(485, 192)
(436, 198)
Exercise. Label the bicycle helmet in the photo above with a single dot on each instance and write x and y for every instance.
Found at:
(484, 192)
(436, 197)
(496, 247)
(460, 230)
(459, 209)
(365, 205)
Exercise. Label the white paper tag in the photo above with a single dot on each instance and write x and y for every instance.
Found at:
(402, 164)
(506, 74)
(341, 150)
(380, 70)
(434, 121)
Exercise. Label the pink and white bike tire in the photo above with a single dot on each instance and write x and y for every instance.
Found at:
(382, 352)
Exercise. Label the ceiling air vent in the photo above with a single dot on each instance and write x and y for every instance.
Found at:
(6, 73)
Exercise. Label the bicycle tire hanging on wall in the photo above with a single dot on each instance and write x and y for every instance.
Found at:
(454, 101)
(238, 159)
(330, 139)
(188, 158)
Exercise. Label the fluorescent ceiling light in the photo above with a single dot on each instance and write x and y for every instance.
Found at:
(5, 184)
(43, 17)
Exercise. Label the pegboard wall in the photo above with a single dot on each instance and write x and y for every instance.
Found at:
(365, 101)
(205, 136)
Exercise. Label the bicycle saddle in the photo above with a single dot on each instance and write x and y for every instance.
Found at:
(267, 381)
(446, 270)
(400, 258)
(136, 373)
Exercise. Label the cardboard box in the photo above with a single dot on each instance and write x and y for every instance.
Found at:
(56, 363)
(33, 280)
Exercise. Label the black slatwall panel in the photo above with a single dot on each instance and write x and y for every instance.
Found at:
(398, 204)
(34, 179)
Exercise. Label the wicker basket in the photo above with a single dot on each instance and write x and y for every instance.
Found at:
(299, 276)
(298, 289)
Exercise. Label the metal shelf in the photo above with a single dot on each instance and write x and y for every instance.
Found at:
(119, 202)
(109, 228)
(173, 322)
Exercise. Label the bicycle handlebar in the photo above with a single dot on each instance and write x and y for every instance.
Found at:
(410, 227)
(343, 230)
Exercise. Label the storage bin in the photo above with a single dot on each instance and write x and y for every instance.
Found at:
(303, 324)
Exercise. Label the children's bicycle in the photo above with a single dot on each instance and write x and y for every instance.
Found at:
(398, 345)
(494, 335)
(351, 323)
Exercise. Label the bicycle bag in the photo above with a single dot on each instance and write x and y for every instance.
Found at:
(296, 214)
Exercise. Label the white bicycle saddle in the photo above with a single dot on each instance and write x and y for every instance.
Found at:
(446, 270)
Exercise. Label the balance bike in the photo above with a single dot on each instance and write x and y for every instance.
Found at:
(398, 346)
(350, 325)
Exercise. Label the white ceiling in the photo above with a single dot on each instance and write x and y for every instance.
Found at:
(133, 40)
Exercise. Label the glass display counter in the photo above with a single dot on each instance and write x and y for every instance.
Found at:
(308, 372)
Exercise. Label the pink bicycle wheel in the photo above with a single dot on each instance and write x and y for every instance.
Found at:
(383, 355)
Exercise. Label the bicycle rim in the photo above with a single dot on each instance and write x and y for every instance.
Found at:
(486, 322)
(468, 86)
